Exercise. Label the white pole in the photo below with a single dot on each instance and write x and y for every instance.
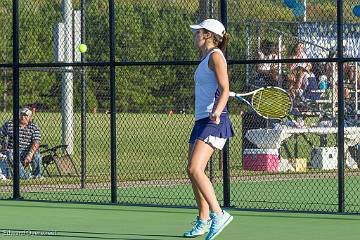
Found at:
(67, 78)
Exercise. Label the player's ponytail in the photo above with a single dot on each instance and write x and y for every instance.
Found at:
(222, 42)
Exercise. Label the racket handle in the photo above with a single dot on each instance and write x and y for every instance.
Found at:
(232, 94)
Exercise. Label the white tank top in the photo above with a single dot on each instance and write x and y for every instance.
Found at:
(206, 88)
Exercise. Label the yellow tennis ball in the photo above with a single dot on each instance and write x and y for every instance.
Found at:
(82, 48)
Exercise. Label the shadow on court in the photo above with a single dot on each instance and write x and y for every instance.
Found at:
(115, 207)
(157, 209)
(84, 234)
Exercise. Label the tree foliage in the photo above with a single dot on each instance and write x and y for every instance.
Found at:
(148, 31)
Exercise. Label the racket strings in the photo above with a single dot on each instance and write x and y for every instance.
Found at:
(272, 103)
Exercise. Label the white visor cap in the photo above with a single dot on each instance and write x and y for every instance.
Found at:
(212, 25)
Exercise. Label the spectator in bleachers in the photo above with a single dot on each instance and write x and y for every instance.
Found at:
(295, 82)
(349, 68)
(298, 52)
(267, 73)
(331, 70)
(310, 84)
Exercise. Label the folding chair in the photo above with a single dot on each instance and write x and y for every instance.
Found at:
(59, 157)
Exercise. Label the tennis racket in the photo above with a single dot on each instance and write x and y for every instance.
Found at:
(268, 102)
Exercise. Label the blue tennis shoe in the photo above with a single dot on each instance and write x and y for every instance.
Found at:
(199, 228)
(219, 222)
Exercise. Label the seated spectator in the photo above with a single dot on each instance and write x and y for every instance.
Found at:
(331, 70)
(296, 81)
(332, 74)
(29, 142)
(350, 72)
(267, 73)
(298, 52)
(310, 85)
(349, 68)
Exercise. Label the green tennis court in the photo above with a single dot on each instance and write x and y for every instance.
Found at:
(29, 220)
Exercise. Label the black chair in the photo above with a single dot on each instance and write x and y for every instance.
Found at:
(59, 157)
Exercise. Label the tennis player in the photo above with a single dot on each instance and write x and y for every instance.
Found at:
(212, 124)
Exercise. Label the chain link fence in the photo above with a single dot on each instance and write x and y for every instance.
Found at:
(290, 164)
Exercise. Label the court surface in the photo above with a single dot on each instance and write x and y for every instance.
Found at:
(32, 220)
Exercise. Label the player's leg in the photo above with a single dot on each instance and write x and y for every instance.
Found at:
(202, 221)
(203, 206)
(196, 171)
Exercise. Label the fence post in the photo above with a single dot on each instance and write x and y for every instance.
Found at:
(226, 175)
(226, 165)
(16, 90)
(112, 101)
(340, 137)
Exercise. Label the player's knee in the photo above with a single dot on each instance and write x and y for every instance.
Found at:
(193, 170)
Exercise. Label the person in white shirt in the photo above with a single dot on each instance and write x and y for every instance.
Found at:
(267, 73)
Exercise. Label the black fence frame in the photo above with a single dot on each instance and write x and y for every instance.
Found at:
(112, 64)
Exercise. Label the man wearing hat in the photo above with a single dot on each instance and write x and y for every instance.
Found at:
(29, 142)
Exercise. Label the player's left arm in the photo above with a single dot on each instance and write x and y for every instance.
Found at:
(219, 66)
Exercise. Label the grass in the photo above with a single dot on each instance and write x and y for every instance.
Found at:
(152, 150)
(148, 146)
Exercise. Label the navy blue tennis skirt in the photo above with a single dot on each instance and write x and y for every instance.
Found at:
(205, 127)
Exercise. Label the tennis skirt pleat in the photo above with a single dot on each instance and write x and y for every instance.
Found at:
(205, 127)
